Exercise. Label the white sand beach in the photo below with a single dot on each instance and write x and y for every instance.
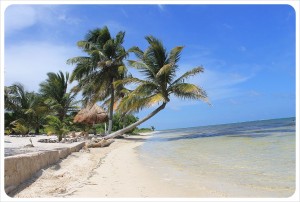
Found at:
(17, 145)
(113, 172)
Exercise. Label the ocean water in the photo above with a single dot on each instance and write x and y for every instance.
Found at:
(250, 159)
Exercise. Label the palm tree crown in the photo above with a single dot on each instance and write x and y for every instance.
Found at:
(54, 89)
(96, 72)
(27, 108)
(159, 68)
(103, 64)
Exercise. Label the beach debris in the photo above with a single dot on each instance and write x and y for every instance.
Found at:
(48, 140)
(69, 138)
(20, 135)
(75, 137)
(85, 149)
(99, 143)
(29, 145)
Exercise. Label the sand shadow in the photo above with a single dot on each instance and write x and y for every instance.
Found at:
(25, 184)
(56, 166)
(35, 177)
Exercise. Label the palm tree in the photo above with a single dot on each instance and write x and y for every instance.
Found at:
(36, 111)
(54, 90)
(159, 68)
(96, 72)
(15, 98)
(56, 126)
(26, 108)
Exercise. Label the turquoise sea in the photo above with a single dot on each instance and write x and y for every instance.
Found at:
(249, 159)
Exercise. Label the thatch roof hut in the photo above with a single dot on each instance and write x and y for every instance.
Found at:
(91, 115)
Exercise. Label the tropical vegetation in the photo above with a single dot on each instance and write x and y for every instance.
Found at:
(25, 111)
(54, 92)
(102, 77)
(159, 68)
(103, 65)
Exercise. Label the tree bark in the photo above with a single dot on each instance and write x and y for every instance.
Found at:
(130, 127)
(60, 137)
(111, 107)
(37, 130)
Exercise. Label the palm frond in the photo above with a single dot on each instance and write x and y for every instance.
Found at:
(188, 74)
(146, 88)
(189, 91)
(174, 55)
(131, 103)
(86, 45)
(120, 37)
(126, 81)
(137, 64)
(154, 99)
(137, 51)
(165, 70)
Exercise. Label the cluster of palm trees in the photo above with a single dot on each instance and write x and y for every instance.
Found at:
(27, 111)
(102, 76)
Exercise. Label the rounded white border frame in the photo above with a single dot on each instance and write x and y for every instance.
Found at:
(5, 3)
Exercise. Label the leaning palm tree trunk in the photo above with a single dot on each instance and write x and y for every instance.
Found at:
(111, 108)
(132, 126)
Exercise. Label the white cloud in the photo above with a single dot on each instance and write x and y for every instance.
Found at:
(218, 85)
(221, 78)
(29, 63)
(18, 17)
(161, 7)
(242, 48)
(233, 102)
(227, 26)
(69, 20)
(124, 13)
(254, 93)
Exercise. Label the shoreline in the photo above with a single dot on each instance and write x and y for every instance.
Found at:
(123, 175)
(121, 171)
(110, 172)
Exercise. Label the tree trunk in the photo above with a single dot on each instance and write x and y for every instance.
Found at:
(37, 130)
(111, 110)
(59, 137)
(132, 126)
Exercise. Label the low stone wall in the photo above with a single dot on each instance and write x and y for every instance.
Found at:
(21, 167)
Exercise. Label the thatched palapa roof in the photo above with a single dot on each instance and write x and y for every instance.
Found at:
(90, 115)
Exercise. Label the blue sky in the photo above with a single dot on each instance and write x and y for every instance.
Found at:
(248, 52)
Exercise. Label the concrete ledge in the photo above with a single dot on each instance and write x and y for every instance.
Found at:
(64, 152)
(21, 167)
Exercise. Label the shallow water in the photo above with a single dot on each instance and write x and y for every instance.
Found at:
(250, 159)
